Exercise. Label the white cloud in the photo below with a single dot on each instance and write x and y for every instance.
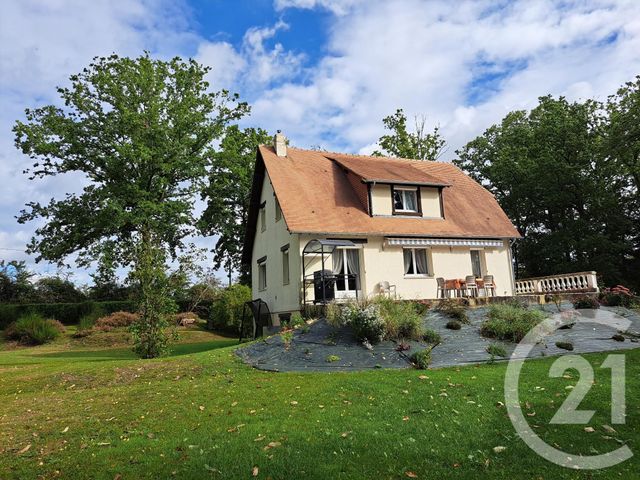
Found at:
(225, 62)
(463, 64)
(338, 7)
(41, 44)
(254, 65)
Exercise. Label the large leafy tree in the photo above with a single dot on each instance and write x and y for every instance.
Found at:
(138, 134)
(549, 170)
(227, 195)
(419, 144)
(623, 150)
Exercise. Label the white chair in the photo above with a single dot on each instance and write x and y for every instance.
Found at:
(470, 286)
(386, 289)
(442, 289)
(489, 285)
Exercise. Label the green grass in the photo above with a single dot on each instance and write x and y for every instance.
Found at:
(201, 413)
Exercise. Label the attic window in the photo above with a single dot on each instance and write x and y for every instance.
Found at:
(263, 218)
(405, 200)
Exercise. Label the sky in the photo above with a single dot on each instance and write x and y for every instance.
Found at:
(325, 72)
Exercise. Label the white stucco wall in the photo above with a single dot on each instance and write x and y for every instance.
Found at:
(279, 297)
(381, 200)
(430, 201)
(381, 203)
(378, 262)
(385, 263)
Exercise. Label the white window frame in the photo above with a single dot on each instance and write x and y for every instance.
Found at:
(262, 277)
(427, 254)
(403, 190)
(347, 292)
(286, 274)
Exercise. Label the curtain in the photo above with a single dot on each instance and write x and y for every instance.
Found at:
(407, 260)
(338, 262)
(410, 200)
(353, 265)
(421, 261)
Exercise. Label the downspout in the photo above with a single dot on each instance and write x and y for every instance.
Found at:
(513, 275)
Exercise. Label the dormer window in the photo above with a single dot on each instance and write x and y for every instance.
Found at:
(405, 200)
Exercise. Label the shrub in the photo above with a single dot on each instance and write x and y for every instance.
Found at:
(402, 347)
(565, 345)
(453, 325)
(365, 321)
(33, 329)
(116, 320)
(507, 322)
(431, 336)
(421, 359)
(295, 320)
(585, 301)
(226, 313)
(496, 350)
(87, 322)
(618, 296)
(421, 306)
(332, 358)
(67, 313)
(333, 315)
(401, 319)
(453, 309)
(287, 338)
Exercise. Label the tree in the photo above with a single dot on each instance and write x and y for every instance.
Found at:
(227, 195)
(140, 133)
(15, 282)
(403, 144)
(549, 171)
(57, 290)
(623, 148)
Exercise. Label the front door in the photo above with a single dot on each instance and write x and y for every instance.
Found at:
(346, 268)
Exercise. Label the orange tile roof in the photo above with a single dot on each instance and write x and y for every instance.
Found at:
(316, 197)
(387, 170)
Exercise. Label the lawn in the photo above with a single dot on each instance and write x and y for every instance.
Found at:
(78, 411)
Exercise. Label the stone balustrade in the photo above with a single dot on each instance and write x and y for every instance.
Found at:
(580, 282)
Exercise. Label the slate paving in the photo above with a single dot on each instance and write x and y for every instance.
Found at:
(324, 348)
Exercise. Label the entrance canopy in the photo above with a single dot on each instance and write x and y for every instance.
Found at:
(320, 247)
(324, 281)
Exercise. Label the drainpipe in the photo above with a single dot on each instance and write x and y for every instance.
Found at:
(513, 275)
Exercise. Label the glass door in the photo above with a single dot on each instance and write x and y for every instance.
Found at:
(346, 268)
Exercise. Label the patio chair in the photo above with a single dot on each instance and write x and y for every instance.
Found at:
(489, 285)
(442, 288)
(386, 289)
(470, 286)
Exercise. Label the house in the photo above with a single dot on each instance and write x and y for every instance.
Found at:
(327, 225)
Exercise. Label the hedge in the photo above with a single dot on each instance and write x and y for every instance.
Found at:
(67, 313)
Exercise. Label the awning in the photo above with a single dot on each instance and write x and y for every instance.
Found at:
(443, 242)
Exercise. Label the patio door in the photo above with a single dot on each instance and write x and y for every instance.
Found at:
(346, 268)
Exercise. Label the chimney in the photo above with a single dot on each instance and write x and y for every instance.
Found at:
(280, 144)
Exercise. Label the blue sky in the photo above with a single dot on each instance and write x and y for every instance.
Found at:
(325, 72)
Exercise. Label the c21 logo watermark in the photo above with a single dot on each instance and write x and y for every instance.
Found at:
(568, 412)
